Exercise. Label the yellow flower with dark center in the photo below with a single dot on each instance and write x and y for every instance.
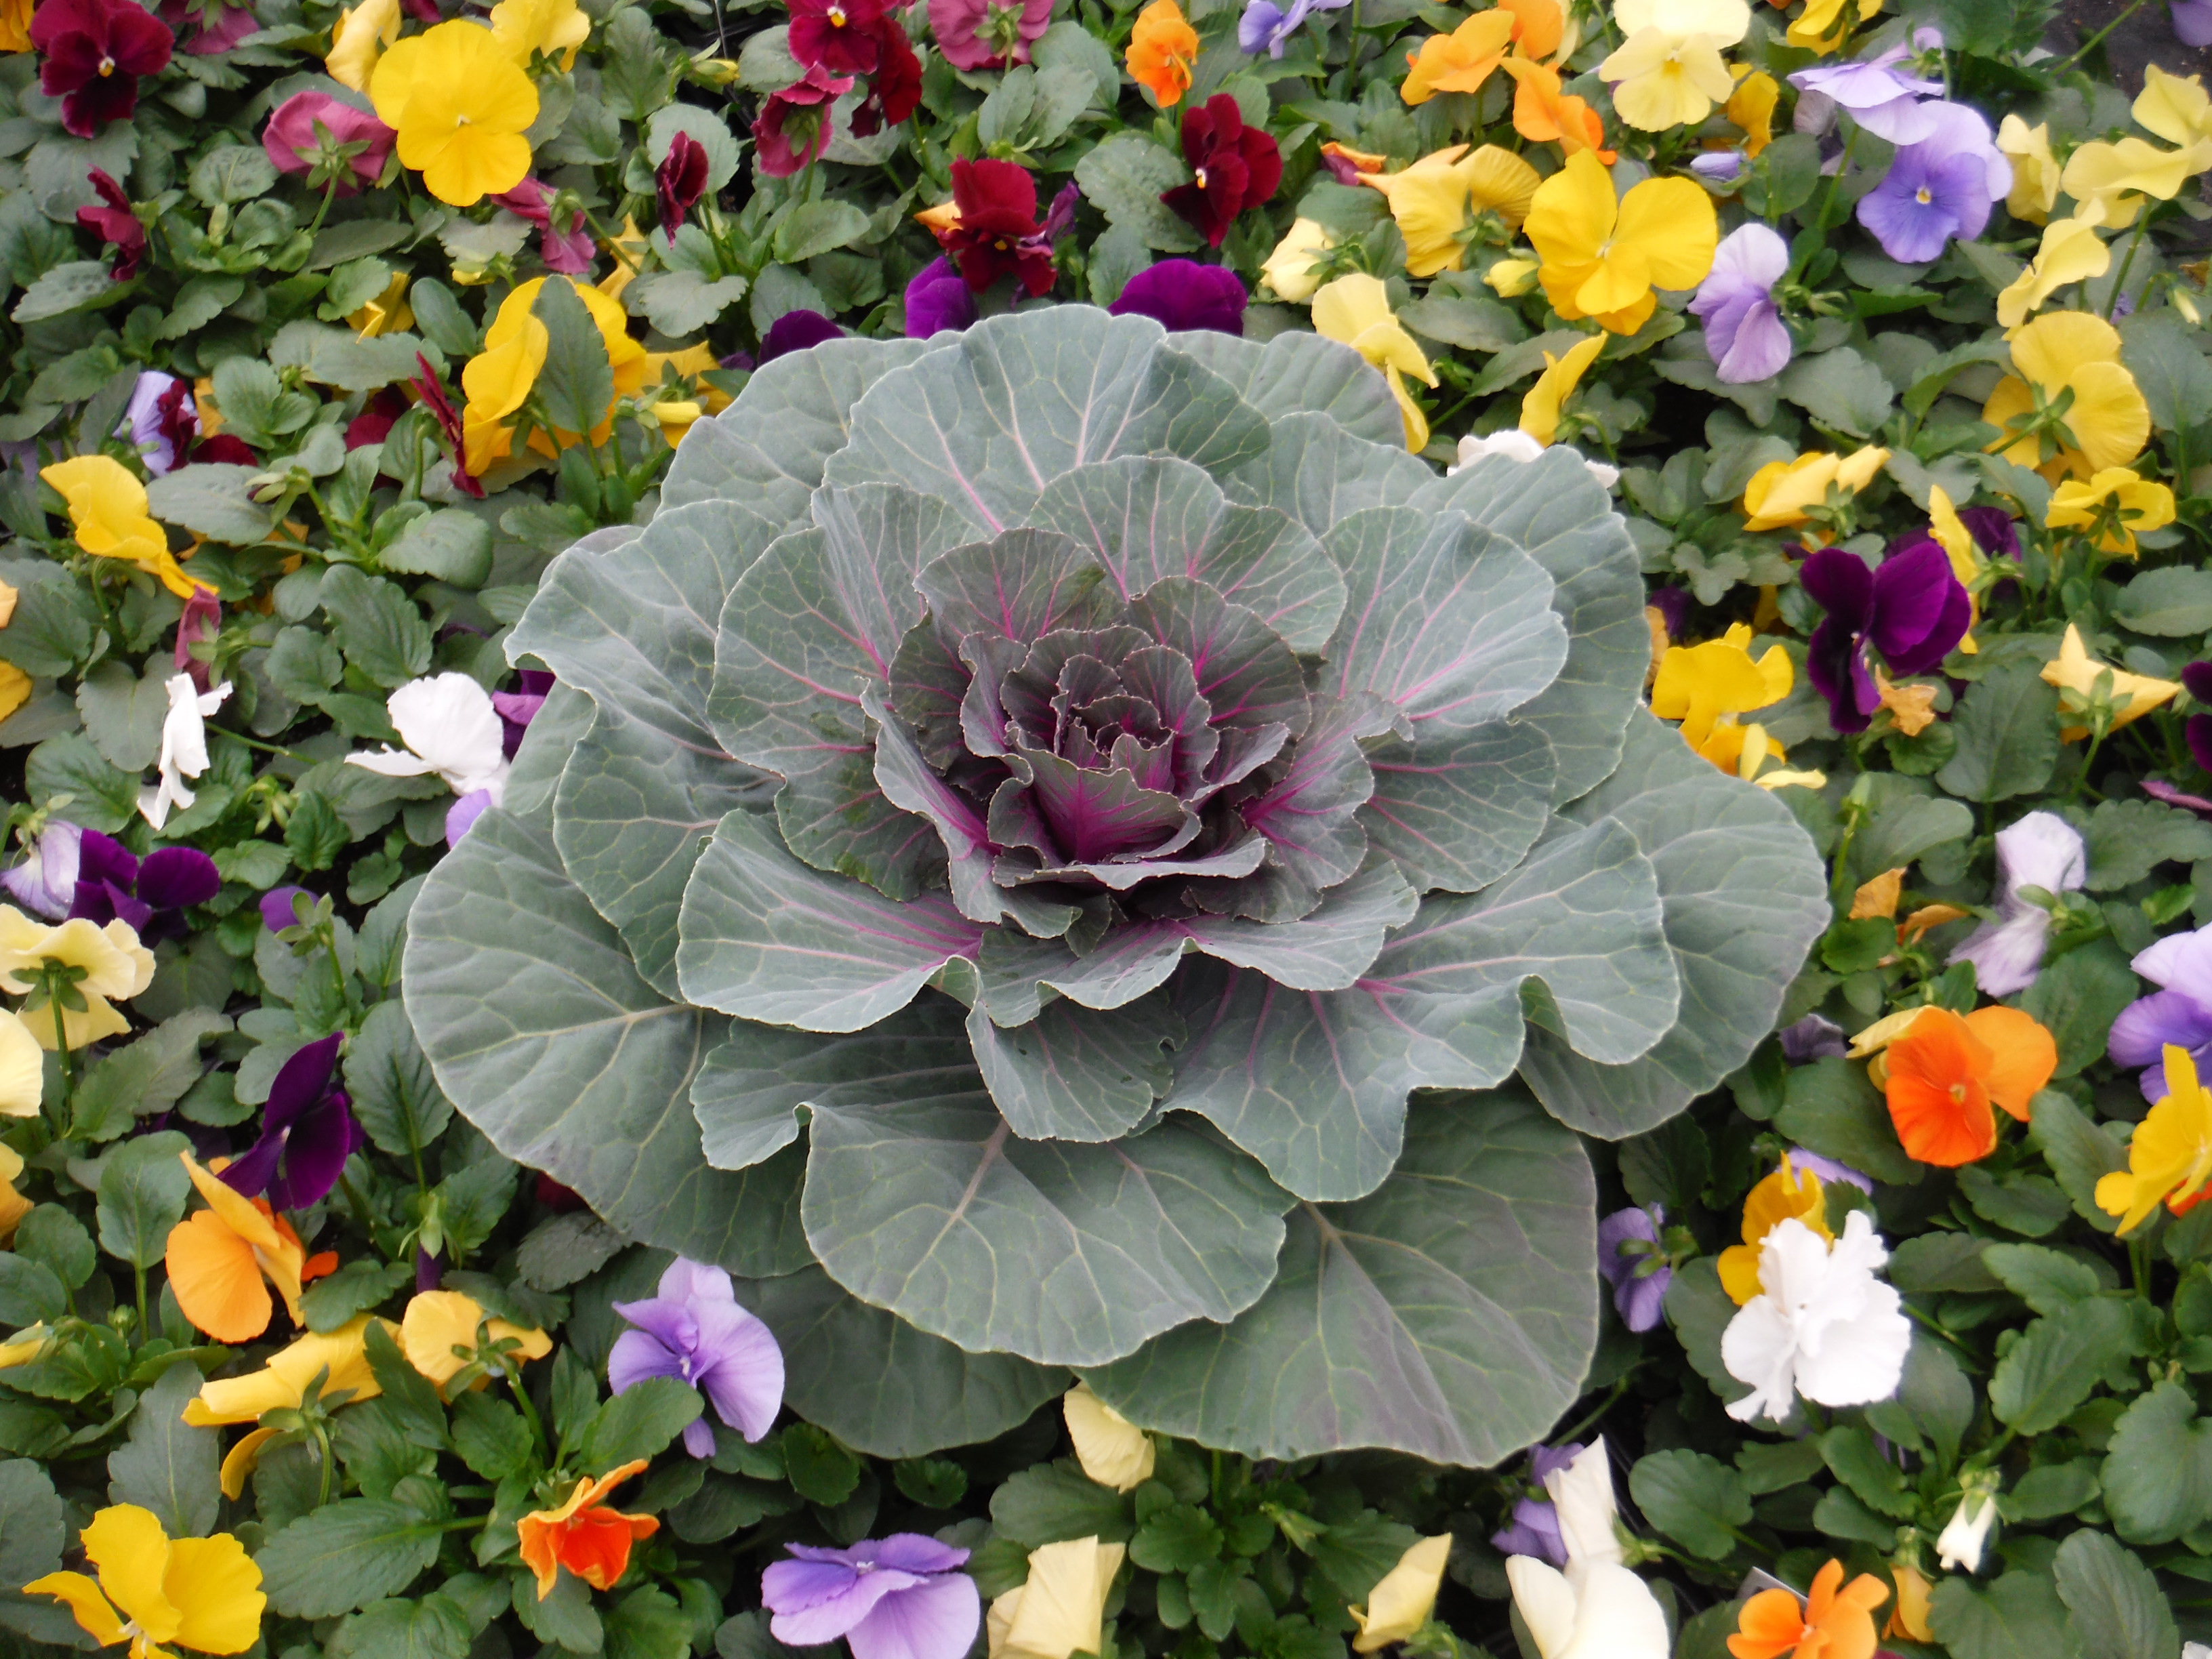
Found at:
(1355, 311)
(1436, 200)
(460, 107)
(2072, 353)
(200, 1593)
(1602, 255)
(111, 519)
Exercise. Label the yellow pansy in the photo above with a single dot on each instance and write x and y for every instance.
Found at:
(339, 1358)
(460, 107)
(1751, 106)
(553, 28)
(1512, 277)
(498, 378)
(2116, 503)
(1706, 686)
(1788, 1194)
(1782, 493)
(1114, 1452)
(2034, 169)
(1821, 27)
(1291, 270)
(438, 1335)
(1402, 1603)
(22, 1071)
(111, 519)
(2176, 109)
(1669, 71)
(15, 688)
(2071, 351)
(2170, 1155)
(202, 1593)
(1438, 198)
(116, 967)
(33, 1342)
(2117, 175)
(14, 1207)
(2071, 251)
(1355, 311)
(388, 314)
(1540, 409)
(1603, 255)
(1968, 565)
(1061, 1610)
(2074, 670)
(362, 36)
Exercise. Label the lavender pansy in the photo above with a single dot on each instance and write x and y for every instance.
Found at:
(1940, 187)
(938, 298)
(2041, 850)
(114, 885)
(901, 1597)
(2192, 22)
(694, 1331)
(1629, 1257)
(1535, 1529)
(307, 1132)
(1911, 611)
(2179, 1012)
(1877, 96)
(1718, 167)
(1181, 295)
(1744, 331)
(45, 882)
(1267, 27)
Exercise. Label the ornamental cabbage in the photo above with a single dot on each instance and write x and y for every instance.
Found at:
(1066, 846)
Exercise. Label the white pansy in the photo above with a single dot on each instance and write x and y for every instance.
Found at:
(450, 728)
(1610, 1614)
(184, 747)
(1518, 445)
(1582, 1495)
(2042, 850)
(1822, 1325)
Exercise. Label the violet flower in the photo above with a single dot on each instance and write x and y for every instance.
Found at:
(975, 34)
(901, 1597)
(2040, 850)
(1535, 1528)
(1639, 1278)
(1911, 611)
(45, 882)
(1725, 166)
(517, 708)
(277, 912)
(2192, 22)
(307, 1132)
(795, 331)
(1744, 331)
(161, 420)
(1883, 101)
(1673, 604)
(694, 1331)
(2179, 1012)
(1828, 1170)
(1267, 27)
(938, 298)
(1814, 1037)
(1181, 295)
(150, 894)
(1991, 527)
(568, 251)
(1940, 187)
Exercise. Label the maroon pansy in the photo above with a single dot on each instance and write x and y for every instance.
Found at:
(94, 51)
(679, 181)
(840, 37)
(998, 234)
(117, 224)
(1234, 167)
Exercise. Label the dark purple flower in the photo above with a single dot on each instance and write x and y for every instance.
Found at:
(276, 913)
(902, 1597)
(795, 331)
(2179, 1012)
(937, 299)
(1814, 1037)
(1535, 1529)
(45, 882)
(517, 708)
(150, 894)
(1911, 612)
(694, 1330)
(1673, 604)
(1181, 295)
(430, 1273)
(307, 1132)
(1639, 1277)
(1992, 531)
(1744, 331)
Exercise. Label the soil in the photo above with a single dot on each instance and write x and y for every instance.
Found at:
(2145, 36)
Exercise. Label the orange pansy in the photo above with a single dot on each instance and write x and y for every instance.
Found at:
(583, 1535)
(1162, 49)
(218, 1259)
(1466, 57)
(1834, 1624)
(1945, 1072)
(1544, 112)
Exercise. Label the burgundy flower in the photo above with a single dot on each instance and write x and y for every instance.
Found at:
(1911, 611)
(226, 449)
(897, 87)
(795, 331)
(375, 423)
(1181, 293)
(201, 622)
(774, 129)
(449, 423)
(680, 180)
(423, 11)
(975, 34)
(937, 299)
(95, 51)
(1237, 166)
(568, 251)
(838, 36)
(291, 140)
(151, 893)
(307, 1132)
(998, 234)
(115, 223)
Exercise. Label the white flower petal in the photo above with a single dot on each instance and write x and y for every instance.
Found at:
(1583, 1495)
(449, 720)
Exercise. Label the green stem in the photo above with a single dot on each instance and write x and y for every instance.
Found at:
(266, 748)
(2097, 39)
(512, 1371)
(330, 194)
(2127, 262)
(61, 1049)
(323, 1453)
(139, 1271)
(1591, 1418)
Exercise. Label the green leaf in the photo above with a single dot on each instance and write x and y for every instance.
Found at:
(1175, 1540)
(491, 1436)
(2008, 731)
(2157, 1474)
(147, 1077)
(2050, 1490)
(122, 714)
(29, 1291)
(1458, 1348)
(2129, 839)
(1699, 1501)
(1840, 389)
(1851, 1454)
(2056, 1361)
(639, 1422)
(814, 228)
(375, 623)
(2079, 1153)
(211, 497)
(2018, 1617)
(33, 1525)
(1831, 1108)
(682, 302)
(2078, 997)
(142, 1187)
(1124, 176)
(451, 544)
(935, 1483)
(647, 1624)
(1057, 1501)
(100, 797)
(329, 1303)
(411, 1397)
(80, 285)
(233, 173)
(395, 1095)
(1301, 374)
(2032, 1205)
(434, 1626)
(2169, 367)
(346, 1555)
(53, 1237)
(2117, 1611)
(820, 1469)
(2171, 602)
(166, 1466)
(332, 356)
(576, 386)
(2048, 1281)
(566, 1618)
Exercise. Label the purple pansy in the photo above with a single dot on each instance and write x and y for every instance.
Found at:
(112, 883)
(161, 420)
(2179, 1012)
(1814, 1037)
(517, 708)
(1535, 1528)
(937, 299)
(795, 331)
(1881, 100)
(1673, 604)
(2197, 680)
(1639, 1278)
(307, 1132)
(277, 913)
(1911, 611)
(1183, 295)
(45, 882)
(1268, 28)
(1744, 331)
(1940, 187)
(901, 1597)
(2039, 850)
(1724, 167)
(1992, 529)
(2192, 22)
(694, 1331)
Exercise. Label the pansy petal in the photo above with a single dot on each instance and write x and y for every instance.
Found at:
(936, 1619)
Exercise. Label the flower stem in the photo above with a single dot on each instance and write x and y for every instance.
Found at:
(2127, 262)
(2097, 39)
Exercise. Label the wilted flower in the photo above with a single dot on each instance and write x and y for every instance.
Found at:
(977, 34)
(45, 882)
(1669, 71)
(116, 223)
(460, 105)
(679, 181)
(588, 1536)
(2039, 850)
(1162, 46)
(1822, 1325)
(202, 1593)
(338, 1359)
(1629, 1257)
(1113, 1451)
(93, 52)
(1836, 1618)
(1401, 1602)
(499, 379)
(1706, 686)
(1603, 255)
(938, 298)
(900, 1597)
(313, 134)
(2169, 1155)
(1234, 166)
(1266, 27)
(807, 99)
(1545, 112)
(1181, 293)
(1356, 311)
(1911, 610)
(694, 1331)
(1944, 1072)
(1744, 331)
(568, 251)
(2110, 179)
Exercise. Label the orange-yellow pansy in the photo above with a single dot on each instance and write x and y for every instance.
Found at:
(1437, 200)
(219, 1257)
(1945, 1072)
(498, 378)
(584, 1535)
(1781, 494)
(2116, 503)
(2071, 351)
(1602, 256)
(1836, 1622)
(1706, 686)
(1544, 112)
(1466, 57)
(438, 1333)
(202, 1593)
(1162, 49)
(2170, 1155)
(1540, 409)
